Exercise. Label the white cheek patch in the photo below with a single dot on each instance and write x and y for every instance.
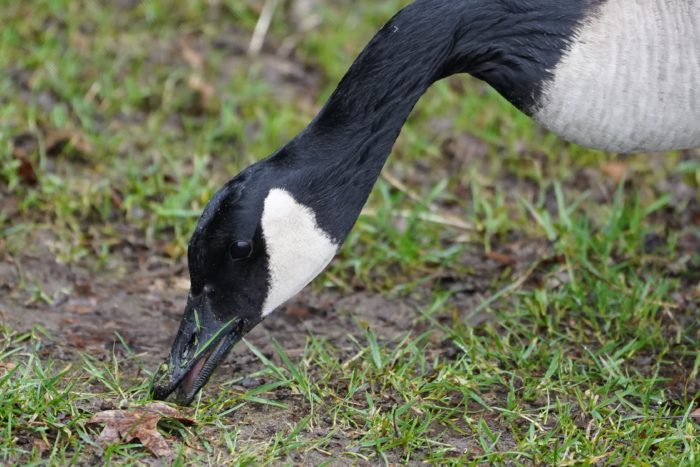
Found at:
(298, 249)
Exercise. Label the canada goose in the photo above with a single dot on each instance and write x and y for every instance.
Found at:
(617, 75)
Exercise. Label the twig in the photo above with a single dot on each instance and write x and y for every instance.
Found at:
(431, 217)
(261, 27)
(437, 215)
(399, 185)
(338, 282)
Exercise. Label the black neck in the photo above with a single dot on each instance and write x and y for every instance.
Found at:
(342, 151)
(381, 87)
(350, 139)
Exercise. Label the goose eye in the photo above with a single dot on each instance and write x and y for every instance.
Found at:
(241, 250)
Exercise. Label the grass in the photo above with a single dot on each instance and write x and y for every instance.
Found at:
(132, 116)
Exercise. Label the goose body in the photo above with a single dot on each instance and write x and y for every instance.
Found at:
(630, 80)
(619, 75)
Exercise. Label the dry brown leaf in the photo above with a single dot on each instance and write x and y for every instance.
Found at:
(507, 260)
(23, 146)
(7, 366)
(173, 250)
(181, 283)
(205, 90)
(41, 446)
(191, 56)
(26, 172)
(83, 287)
(56, 140)
(81, 306)
(138, 423)
(117, 199)
(615, 170)
(695, 414)
(298, 310)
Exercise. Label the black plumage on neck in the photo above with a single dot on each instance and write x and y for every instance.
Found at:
(344, 148)
(512, 45)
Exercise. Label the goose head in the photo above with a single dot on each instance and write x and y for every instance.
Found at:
(255, 246)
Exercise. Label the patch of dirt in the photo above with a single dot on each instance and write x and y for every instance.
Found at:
(83, 310)
(141, 298)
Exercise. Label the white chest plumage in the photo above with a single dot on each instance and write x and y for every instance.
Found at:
(631, 79)
(297, 248)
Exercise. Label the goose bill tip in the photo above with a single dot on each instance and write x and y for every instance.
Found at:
(197, 351)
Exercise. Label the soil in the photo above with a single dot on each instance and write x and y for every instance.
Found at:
(142, 298)
(83, 308)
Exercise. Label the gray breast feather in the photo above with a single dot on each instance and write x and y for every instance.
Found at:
(630, 80)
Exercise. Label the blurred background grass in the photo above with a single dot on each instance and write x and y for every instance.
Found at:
(135, 112)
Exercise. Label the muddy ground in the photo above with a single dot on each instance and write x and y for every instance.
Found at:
(140, 297)
(82, 311)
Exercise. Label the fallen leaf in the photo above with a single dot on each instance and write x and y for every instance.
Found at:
(41, 446)
(615, 170)
(56, 141)
(191, 56)
(181, 283)
(158, 285)
(84, 341)
(298, 310)
(140, 423)
(81, 306)
(26, 145)
(83, 287)
(173, 250)
(117, 199)
(205, 90)
(695, 414)
(26, 172)
(7, 366)
(502, 258)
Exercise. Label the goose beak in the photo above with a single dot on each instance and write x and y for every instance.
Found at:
(202, 342)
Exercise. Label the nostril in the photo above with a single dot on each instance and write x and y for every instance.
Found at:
(190, 347)
(193, 341)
